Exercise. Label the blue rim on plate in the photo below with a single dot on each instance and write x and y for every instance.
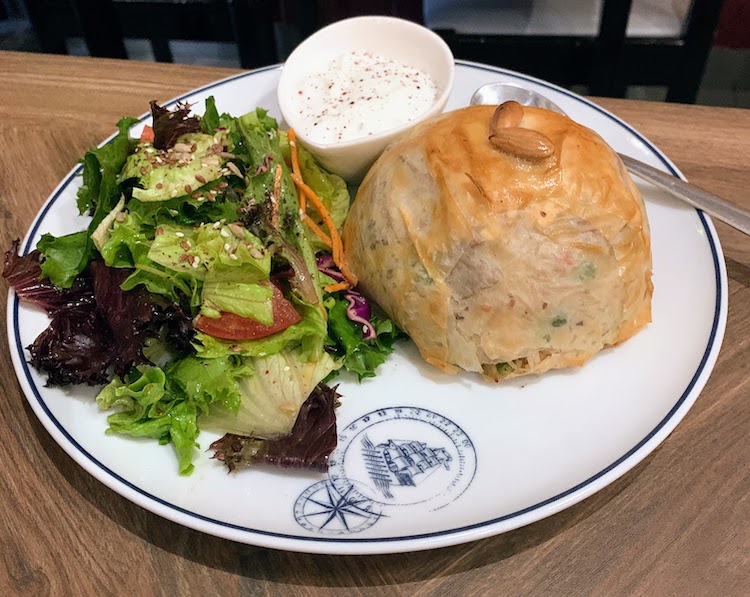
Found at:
(715, 334)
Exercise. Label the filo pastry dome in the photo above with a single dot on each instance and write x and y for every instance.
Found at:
(504, 240)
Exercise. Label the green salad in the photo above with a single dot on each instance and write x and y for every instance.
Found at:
(209, 291)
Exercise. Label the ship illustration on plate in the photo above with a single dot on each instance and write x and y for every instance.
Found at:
(401, 462)
(391, 462)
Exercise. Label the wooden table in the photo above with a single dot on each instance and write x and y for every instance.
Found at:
(678, 524)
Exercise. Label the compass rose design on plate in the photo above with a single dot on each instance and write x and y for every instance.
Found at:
(324, 509)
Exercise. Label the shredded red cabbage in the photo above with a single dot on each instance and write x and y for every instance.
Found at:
(328, 267)
(358, 309)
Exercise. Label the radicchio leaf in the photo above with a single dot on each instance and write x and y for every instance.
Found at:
(308, 446)
(170, 124)
(94, 324)
(136, 315)
(77, 347)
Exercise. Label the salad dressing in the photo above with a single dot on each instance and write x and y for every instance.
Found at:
(361, 94)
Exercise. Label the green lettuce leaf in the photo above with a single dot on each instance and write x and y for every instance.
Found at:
(330, 188)
(164, 404)
(101, 168)
(259, 143)
(127, 243)
(271, 399)
(65, 256)
(188, 211)
(359, 356)
(195, 250)
(237, 290)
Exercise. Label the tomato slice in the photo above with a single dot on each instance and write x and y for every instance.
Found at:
(231, 326)
(147, 135)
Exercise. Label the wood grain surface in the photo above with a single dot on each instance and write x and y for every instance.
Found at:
(678, 524)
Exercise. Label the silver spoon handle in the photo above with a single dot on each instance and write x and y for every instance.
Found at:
(711, 204)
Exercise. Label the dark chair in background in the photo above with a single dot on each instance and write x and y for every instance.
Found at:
(609, 61)
(606, 60)
(104, 24)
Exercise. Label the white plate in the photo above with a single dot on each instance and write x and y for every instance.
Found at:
(495, 457)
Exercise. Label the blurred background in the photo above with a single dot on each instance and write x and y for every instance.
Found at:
(691, 51)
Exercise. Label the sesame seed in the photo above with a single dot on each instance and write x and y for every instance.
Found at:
(200, 179)
(179, 234)
(233, 256)
(225, 233)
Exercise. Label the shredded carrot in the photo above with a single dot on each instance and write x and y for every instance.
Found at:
(295, 167)
(344, 267)
(336, 287)
(305, 192)
(316, 229)
(336, 245)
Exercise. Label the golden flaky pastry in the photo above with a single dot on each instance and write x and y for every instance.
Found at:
(495, 258)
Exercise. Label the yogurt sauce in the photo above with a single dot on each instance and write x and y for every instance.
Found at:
(361, 94)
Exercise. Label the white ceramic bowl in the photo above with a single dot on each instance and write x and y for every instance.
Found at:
(396, 39)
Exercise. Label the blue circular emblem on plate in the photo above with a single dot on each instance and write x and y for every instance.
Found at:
(404, 456)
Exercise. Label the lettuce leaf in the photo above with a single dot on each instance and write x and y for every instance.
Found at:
(359, 356)
(101, 167)
(65, 257)
(24, 274)
(164, 404)
(237, 291)
(330, 188)
(271, 399)
(189, 211)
